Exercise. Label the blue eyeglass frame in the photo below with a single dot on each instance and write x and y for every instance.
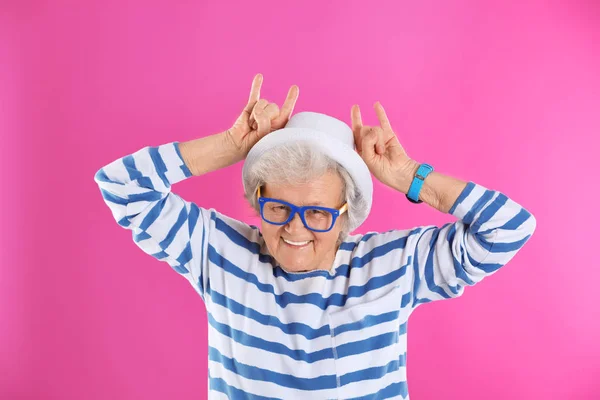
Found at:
(300, 210)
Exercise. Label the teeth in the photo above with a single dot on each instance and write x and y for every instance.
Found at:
(296, 243)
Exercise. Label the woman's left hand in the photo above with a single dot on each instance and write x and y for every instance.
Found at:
(381, 150)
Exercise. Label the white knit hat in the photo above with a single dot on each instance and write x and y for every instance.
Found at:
(329, 135)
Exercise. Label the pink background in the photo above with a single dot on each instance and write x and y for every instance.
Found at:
(505, 95)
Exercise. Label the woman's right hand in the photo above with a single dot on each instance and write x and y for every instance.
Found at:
(260, 117)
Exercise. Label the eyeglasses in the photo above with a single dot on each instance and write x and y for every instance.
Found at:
(314, 218)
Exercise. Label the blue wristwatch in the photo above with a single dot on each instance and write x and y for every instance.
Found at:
(417, 183)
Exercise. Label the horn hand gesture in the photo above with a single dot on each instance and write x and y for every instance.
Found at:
(381, 150)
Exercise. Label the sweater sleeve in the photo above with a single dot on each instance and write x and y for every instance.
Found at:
(137, 190)
(491, 229)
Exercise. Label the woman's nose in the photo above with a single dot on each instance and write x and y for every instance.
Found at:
(295, 224)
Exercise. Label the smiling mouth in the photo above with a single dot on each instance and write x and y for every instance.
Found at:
(296, 244)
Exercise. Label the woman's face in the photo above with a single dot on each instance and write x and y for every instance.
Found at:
(319, 252)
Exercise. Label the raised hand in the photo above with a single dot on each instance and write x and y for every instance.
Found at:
(260, 117)
(380, 148)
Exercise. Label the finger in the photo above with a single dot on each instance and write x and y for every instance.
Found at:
(260, 105)
(380, 145)
(382, 116)
(254, 92)
(263, 122)
(356, 126)
(369, 142)
(356, 118)
(288, 107)
(272, 111)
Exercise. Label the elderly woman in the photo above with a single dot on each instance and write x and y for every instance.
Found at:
(298, 308)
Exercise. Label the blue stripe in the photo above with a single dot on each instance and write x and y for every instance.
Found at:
(101, 176)
(316, 299)
(485, 267)
(429, 267)
(130, 167)
(416, 273)
(366, 322)
(143, 235)
(271, 347)
(393, 390)
(464, 194)
(186, 255)
(159, 165)
(136, 176)
(292, 328)
(405, 299)
(184, 168)
(124, 222)
(181, 269)
(364, 346)
(371, 373)
(160, 255)
(148, 196)
(219, 385)
(106, 195)
(489, 212)
(403, 328)
(154, 213)
(265, 375)
(484, 217)
(482, 201)
(197, 211)
(174, 229)
(501, 247)
(421, 300)
(350, 246)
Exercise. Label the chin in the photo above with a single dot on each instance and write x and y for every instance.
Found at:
(296, 268)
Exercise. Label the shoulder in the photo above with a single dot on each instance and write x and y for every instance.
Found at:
(223, 228)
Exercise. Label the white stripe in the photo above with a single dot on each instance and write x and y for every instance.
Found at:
(173, 163)
(270, 361)
(267, 389)
(268, 332)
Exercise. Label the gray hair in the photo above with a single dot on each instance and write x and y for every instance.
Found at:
(299, 163)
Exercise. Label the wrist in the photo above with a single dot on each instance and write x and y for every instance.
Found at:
(405, 176)
(230, 147)
(209, 153)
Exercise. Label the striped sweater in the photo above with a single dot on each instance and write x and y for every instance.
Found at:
(338, 334)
